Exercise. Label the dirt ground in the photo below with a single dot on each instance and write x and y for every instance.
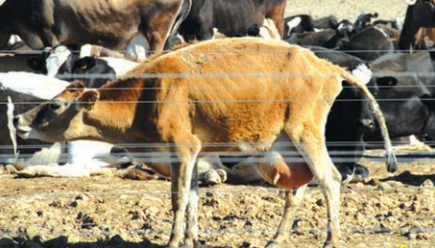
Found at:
(349, 9)
(389, 210)
(102, 211)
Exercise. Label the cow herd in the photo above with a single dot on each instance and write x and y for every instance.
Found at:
(302, 99)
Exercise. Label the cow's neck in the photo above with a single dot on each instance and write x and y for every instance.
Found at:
(116, 115)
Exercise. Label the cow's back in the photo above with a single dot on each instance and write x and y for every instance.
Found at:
(229, 84)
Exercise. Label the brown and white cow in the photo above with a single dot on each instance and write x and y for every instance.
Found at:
(225, 95)
(47, 23)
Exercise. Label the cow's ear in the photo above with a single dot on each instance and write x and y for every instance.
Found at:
(428, 100)
(87, 100)
(386, 82)
(76, 86)
(86, 63)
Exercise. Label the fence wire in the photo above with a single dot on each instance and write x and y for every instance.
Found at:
(341, 156)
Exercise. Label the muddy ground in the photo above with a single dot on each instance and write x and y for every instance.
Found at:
(389, 210)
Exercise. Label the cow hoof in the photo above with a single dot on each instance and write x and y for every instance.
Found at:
(273, 244)
(11, 169)
(361, 172)
(211, 177)
(27, 172)
(222, 175)
(329, 244)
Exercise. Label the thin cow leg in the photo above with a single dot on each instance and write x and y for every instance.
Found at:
(311, 144)
(187, 150)
(331, 188)
(293, 199)
(191, 239)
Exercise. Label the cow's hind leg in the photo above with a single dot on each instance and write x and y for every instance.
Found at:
(191, 238)
(293, 198)
(310, 142)
(187, 149)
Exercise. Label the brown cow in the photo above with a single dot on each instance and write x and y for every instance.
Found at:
(48, 23)
(223, 95)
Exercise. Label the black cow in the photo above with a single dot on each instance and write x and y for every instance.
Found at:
(231, 18)
(406, 89)
(47, 23)
(328, 38)
(365, 20)
(369, 44)
(350, 117)
(309, 32)
(419, 14)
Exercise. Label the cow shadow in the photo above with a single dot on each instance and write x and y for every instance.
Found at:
(409, 178)
(62, 242)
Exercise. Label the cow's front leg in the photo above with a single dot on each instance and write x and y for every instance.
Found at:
(4, 39)
(186, 149)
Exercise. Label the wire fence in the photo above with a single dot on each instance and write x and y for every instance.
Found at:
(395, 228)
(229, 226)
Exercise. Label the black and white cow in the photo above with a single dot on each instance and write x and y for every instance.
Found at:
(63, 63)
(325, 32)
(406, 92)
(306, 23)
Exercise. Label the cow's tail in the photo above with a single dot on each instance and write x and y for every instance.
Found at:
(181, 16)
(12, 131)
(391, 158)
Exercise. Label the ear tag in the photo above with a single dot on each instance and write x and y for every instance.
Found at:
(90, 98)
